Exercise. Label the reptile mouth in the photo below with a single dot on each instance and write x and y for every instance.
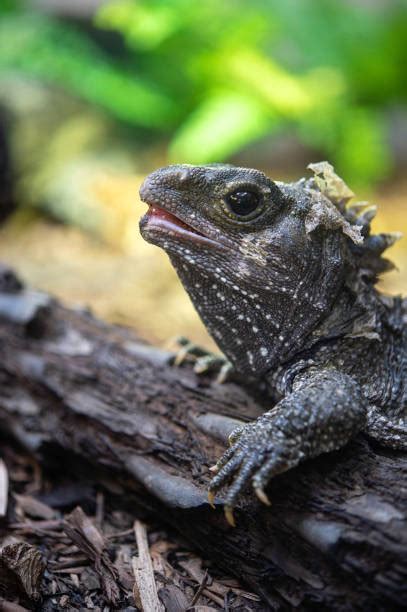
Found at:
(159, 217)
(161, 220)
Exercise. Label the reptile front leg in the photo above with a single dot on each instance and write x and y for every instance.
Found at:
(322, 412)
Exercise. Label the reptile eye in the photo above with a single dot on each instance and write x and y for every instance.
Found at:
(243, 203)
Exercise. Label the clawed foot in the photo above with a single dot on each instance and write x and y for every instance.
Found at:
(204, 361)
(322, 413)
(258, 452)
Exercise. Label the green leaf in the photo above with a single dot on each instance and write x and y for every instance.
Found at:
(62, 55)
(265, 79)
(363, 154)
(219, 127)
(143, 26)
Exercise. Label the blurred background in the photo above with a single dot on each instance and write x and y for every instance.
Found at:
(95, 94)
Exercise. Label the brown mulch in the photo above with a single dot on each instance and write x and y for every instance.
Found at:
(68, 544)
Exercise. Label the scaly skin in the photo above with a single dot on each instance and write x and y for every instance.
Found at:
(283, 277)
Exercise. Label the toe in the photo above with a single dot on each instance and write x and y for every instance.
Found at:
(235, 435)
(240, 482)
(228, 454)
(273, 466)
(224, 373)
(226, 472)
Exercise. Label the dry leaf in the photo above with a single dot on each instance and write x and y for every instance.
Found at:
(90, 541)
(21, 570)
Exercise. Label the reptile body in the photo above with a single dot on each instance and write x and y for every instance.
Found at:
(283, 276)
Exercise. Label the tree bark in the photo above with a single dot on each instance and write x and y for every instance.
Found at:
(335, 536)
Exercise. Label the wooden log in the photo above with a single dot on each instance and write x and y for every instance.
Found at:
(335, 536)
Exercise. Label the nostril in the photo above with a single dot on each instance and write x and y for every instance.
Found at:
(170, 177)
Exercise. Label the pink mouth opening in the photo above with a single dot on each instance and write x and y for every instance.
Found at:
(162, 217)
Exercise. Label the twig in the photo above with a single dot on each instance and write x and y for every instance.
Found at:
(119, 534)
(144, 573)
(100, 510)
(3, 488)
(199, 590)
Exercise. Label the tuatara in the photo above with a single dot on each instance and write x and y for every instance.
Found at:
(283, 276)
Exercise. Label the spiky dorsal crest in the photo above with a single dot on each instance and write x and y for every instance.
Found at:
(355, 220)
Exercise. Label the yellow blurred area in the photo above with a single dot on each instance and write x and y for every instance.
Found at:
(125, 280)
(392, 217)
(117, 197)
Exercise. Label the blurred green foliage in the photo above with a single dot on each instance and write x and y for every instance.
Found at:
(210, 77)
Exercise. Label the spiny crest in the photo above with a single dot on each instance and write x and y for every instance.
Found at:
(366, 248)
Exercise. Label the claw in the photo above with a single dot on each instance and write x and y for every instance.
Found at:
(200, 367)
(224, 373)
(181, 354)
(229, 516)
(214, 468)
(211, 499)
(206, 363)
(262, 496)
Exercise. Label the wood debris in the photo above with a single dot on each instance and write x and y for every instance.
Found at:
(28, 505)
(21, 571)
(87, 541)
(144, 573)
(3, 489)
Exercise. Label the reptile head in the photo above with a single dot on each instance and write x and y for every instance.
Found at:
(262, 261)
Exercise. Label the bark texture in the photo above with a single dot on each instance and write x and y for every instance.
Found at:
(335, 536)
